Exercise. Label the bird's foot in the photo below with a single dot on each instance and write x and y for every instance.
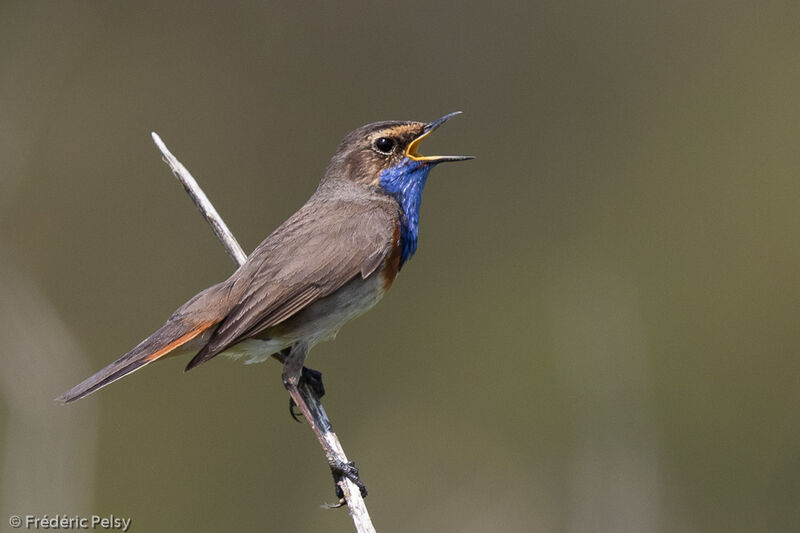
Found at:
(347, 470)
(312, 378)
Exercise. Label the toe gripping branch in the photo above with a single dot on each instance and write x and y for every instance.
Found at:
(341, 470)
(313, 380)
(305, 390)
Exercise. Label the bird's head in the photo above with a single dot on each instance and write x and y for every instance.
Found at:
(385, 155)
(372, 153)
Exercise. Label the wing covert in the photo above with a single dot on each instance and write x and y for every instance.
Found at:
(311, 255)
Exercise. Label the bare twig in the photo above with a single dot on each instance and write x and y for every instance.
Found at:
(203, 203)
(355, 503)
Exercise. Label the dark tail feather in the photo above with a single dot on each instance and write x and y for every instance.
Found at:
(169, 337)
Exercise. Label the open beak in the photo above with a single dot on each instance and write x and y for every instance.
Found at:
(429, 128)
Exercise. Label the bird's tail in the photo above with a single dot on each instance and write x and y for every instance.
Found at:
(171, 336)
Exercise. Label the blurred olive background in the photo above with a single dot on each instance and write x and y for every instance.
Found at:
(598, 333)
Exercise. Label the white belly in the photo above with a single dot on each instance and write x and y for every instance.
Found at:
(318, 322)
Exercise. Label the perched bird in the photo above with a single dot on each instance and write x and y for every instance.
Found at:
(328, 263)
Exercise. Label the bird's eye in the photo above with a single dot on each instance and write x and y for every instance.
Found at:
(385, 145)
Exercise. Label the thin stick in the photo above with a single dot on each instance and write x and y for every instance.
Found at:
(355, 503)
(203, 203)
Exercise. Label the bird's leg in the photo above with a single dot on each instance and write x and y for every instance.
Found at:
(309, 376)
(306, 399)
(313, 380)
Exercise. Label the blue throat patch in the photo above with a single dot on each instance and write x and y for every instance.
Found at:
(405, 182)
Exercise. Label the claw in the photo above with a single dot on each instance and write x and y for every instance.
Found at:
(341, 470)
(294, 415)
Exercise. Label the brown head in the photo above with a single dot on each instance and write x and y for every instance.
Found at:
(374, 148)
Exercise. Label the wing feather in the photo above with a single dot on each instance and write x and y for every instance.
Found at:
(316, 251)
